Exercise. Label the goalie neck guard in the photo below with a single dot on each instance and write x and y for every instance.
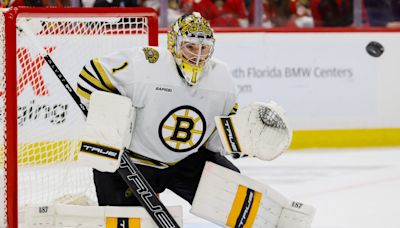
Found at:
(191, 42)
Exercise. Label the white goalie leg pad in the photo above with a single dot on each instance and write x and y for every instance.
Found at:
(52, 216)
(107, 132)
(260, 130)
(296, 215)
(138, 216)
(71, 216)
(230, 199)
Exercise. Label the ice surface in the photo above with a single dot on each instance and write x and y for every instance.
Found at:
(350, 188)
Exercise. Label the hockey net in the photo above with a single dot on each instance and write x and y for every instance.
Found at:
(40, 122)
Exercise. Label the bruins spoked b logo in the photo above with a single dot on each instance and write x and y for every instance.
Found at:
(182, 129)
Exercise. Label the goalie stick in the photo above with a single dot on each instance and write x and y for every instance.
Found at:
(127, 169)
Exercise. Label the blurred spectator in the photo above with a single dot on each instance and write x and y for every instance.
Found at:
(383, 12)
(332, 13)
(268, 14)
(304, 17)
(283, 13)
(379, 12)
(38, 3)
(222, 13)
(230, 13)
(174, 12)
(186, 6)
(396, 9)
(110, 3)
(155, 4)
(205, 7)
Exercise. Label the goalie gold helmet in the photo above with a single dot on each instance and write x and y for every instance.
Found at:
(191, 42)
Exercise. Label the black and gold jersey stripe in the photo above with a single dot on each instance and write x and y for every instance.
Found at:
(93, 77)
(91, 80)
(83, 92)
(102, 75)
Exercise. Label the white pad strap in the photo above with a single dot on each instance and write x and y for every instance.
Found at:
(75, 216)
(227, 198)
(108, 131)
(297, 215)
(258, 130)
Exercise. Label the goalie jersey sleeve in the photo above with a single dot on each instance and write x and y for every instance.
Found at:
(172, 119)
(99, 74)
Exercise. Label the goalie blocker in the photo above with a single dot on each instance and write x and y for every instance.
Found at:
(230, 199)
(108, 131)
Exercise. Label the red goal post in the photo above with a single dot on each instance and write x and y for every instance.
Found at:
(39, 120)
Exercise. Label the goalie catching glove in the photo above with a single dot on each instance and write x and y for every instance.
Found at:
(258, 130)
(108, 131)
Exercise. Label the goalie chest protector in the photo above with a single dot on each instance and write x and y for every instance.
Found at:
(173, 119)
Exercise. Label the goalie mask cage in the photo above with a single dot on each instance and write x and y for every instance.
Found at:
(40, 122)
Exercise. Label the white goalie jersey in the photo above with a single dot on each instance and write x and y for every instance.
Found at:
(173, 119)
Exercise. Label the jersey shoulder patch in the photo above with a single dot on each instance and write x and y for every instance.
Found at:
(151, 54)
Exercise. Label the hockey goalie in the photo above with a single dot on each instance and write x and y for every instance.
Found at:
(175, 111)
(223, 196)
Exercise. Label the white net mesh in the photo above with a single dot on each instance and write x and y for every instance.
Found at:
(49, 121)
